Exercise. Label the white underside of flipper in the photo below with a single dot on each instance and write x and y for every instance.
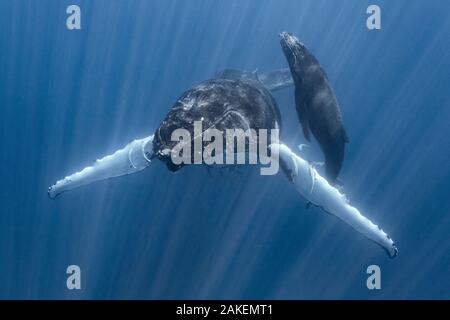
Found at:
(134, 157)
(137, 155)
(316, 189)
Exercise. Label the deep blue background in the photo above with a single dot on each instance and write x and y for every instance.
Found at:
(68, 97)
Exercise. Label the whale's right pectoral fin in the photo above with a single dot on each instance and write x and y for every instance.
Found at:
(134, 157)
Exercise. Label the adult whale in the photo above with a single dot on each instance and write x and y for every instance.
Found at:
(316, 104)
(234, 99)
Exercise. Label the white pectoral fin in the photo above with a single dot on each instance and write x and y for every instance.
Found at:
(316, 189)
(134, 157)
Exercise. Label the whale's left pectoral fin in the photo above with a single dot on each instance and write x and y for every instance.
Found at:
(134, 157)
(316, 190)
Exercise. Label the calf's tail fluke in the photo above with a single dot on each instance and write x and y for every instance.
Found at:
(134, 157)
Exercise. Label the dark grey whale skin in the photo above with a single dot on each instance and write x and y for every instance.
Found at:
(222, 104)
(316, 104)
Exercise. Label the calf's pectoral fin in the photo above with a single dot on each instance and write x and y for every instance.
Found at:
(334, 157)
(344, 135)
(302, 113)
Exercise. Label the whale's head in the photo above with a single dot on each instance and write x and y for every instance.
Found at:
(296, 52)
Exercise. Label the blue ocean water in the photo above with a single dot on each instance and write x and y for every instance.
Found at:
(70, 96)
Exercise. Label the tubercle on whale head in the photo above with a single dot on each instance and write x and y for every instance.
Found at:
(287, 39)
(286, 36)
(294, 50)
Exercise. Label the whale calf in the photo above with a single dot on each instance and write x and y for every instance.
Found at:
(316, 104)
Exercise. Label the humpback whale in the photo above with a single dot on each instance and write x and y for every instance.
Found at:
(234, 100)
(316, 104)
